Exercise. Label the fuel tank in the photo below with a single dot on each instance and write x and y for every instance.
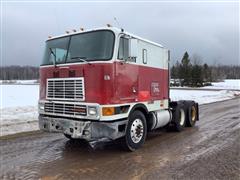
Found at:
(160, 118)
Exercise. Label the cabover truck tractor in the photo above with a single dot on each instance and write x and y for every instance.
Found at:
(105, 84)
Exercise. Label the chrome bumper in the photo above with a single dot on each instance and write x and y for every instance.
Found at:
(88, 130)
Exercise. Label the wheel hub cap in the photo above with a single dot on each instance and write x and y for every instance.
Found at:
(182, 117)
(137, 130)
(194, 113)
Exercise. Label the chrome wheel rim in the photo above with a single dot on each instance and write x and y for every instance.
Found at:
(182, 117)
(193, 113)
(136, 130)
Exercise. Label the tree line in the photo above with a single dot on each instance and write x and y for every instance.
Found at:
(19, 72)
(192, 72)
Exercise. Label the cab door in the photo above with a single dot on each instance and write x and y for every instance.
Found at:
(126, 73)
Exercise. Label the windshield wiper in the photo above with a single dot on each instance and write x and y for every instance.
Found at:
(51, 51)
(82, 59)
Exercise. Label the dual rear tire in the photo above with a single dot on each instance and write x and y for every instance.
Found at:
(184, 114)
(192, 114)
(179, 117)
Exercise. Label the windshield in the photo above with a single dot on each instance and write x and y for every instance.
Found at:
(89, 46)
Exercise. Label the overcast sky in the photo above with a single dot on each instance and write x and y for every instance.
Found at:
(210, 30)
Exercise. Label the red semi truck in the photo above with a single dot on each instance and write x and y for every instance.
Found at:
(105, 84)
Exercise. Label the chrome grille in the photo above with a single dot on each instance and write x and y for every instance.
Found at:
(65, 109)
(66, 89)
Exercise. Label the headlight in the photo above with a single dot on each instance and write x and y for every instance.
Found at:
(92, 111)
(41, 106)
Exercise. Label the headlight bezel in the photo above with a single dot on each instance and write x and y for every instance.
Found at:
(41, 107)
(92, 111)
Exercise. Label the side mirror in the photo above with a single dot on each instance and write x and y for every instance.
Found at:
(133, 50)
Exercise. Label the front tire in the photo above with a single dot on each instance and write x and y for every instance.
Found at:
(136, 131)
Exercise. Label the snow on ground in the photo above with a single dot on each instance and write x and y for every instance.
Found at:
(202, 96)
(18, 119)
(226, 84)
(18, 108)
(231, 89)
(19, 103)
(19, 95)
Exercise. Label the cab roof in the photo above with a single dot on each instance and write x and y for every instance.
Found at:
(117, 31)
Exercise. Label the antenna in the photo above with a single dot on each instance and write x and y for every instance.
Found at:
(115, 19)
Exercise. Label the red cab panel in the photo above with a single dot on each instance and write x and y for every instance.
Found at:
(112, 83)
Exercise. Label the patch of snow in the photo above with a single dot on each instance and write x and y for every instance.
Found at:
(18, 108)
(18, 119)
(202, 96)
(233, 84)
(19, 95)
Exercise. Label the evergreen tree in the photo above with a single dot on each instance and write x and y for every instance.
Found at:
(173, 72)
(185, 70)
(197, 71)
(206, 73)
(197, 76)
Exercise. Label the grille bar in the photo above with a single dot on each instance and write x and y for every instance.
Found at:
(65, 109)
(66, 89)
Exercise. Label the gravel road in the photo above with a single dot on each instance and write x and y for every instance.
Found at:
(210, 150)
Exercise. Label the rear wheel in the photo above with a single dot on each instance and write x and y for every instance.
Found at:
(136, 131)
(191, 117)
(179, 117)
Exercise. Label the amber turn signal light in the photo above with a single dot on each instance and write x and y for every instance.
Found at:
(108, 111)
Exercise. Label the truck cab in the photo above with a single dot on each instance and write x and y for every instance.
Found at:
(104, 84)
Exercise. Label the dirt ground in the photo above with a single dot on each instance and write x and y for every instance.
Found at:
(210, 150)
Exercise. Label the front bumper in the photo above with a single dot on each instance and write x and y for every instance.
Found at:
(84, 129)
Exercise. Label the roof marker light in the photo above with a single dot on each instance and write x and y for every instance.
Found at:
(82, 29)
(74, 30)
(67, 32)
(109, 25)
(49, 37)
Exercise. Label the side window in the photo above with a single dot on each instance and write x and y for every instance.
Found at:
(123, 51)
(144, 56)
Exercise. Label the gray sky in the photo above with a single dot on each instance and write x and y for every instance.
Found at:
(210, 30)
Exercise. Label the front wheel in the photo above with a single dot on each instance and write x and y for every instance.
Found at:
(136, 131)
